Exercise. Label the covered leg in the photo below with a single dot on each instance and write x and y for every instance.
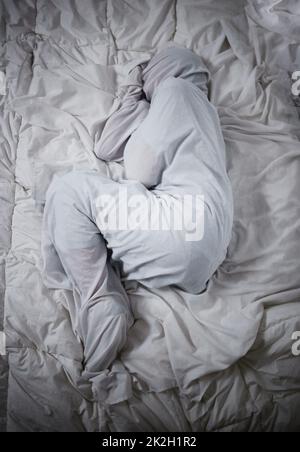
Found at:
(75, 251)
(179, 149)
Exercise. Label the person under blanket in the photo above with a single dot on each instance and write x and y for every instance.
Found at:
(170, 137)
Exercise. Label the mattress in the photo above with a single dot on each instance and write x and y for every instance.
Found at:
(219, 361)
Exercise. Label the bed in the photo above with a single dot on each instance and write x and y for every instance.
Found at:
(220, 361)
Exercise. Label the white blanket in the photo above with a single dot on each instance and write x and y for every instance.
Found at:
(176, 234)
(66, 66)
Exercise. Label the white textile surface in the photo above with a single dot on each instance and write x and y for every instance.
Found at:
(66, 65)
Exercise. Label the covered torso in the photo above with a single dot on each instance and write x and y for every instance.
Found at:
(178, 151)
(173, 149)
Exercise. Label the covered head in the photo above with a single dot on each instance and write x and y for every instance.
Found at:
(174, 62)
(144, 162)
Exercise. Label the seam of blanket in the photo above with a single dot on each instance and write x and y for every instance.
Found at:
(233, 424)
(247, 388)
(17, 349)
(111, 36)
(8, 254)
(6, 260)
(278, 322)
(175, 5)
(9, 251)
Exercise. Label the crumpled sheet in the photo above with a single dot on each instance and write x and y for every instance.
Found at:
(76, 256)
(57, 106)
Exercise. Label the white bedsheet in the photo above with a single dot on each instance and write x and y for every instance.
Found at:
(65, 67)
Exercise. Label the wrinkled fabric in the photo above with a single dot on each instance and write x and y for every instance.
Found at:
(171, 61)
(180, 63)
(277, 16)
(2, 84)
(66, 66)
(75, 245)
(102, 312)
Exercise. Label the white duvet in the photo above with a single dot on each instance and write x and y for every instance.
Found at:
(218, 361)
(175, 233)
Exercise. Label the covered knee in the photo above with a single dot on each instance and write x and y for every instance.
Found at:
(62, 196)
(73, 179)
(173, 87)
(69, 184)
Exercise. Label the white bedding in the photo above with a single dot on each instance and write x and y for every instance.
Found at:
(65, 68)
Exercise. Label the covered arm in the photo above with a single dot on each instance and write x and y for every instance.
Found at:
(122, 124)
